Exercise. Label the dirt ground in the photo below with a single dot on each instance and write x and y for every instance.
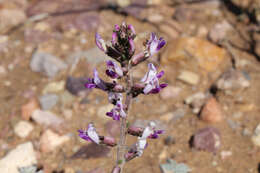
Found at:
(70, 27)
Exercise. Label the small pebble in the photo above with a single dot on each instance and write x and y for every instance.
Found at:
(29, 108)
(48, 101)
(207, 139)
(50, 141)
(212, 112)
(23, 129)
(169, 140)
(225, 154)
(189, 77)
(256, 136)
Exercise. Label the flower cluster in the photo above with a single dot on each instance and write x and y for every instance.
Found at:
(122, 51)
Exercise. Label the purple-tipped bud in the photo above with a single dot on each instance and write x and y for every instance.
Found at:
(132, 46)
(116, 169)
(100, 43)
(130, 155)
(138, 58)
(117, 27)
(132, 29)
(109, 141)
(114, 38)
(135, 131)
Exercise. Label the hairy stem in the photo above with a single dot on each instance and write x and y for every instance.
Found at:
(123, 123)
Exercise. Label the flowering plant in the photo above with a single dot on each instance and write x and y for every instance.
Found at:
(122, 50)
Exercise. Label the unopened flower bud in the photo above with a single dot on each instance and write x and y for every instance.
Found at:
(109, 141)
(135, 131)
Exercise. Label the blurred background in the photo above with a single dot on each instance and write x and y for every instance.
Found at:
(210, 110)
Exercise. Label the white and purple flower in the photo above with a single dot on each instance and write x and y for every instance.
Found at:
(100, 43)
(90, 134)
(96, 82)
(117, 112)
(154, 44)
(151, 80)
(113, 70)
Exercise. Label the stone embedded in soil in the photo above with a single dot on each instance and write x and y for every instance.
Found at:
(48, 101)
(23, 155)
(76, 85)
(46, 118)
(188, 77)
(219, 31)
(2, 70)
(200, 56)
(170, 92)
(66, 98)
(47, 64)
(54, 87)
(233, 79)
(196, 101)
(173, 167)
(256, 136)
(207, 139)
(212, 111)
(96, 170)
(11, 17)
(225, 154)
(23, 129)
(28, 109)
(50, 141)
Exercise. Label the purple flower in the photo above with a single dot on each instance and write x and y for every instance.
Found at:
(100, 43)
(96, 82)
(151, 80)
(113, 70)
(90, 134)
(156, 134)
(117, 111)
(154, 44)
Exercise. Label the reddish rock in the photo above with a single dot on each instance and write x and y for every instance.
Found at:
(207, 139)
(50, 141)
(212, 111)
(29, 108)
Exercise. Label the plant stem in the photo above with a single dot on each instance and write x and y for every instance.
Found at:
(122, 141)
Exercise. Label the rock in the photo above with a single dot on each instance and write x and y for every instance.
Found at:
(206, 60)
(47, 64)
(233, 79)
(66, 98)
(207, 139)
(23, 129)
(225, 154)
(232, 124)
(170, 92)
(76, 85)
(96, 170)
(30, 169)
(54, 87)
(23, 155)
(123, 3)
(219, 31)
(46, 118)
(50, 141)
(188, 77)
(68, 113)
(29, 108)
(172, 166)
(47, 101)
(11, 17)
(169, 30)
(212, 112)
(256, 136)
(196, 101)
(93, 56)
(2, 70)
(169, 140)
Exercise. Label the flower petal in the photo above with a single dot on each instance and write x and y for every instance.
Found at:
(92, 133)
(100, 43)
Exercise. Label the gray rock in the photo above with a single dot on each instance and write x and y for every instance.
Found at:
(93, 56)
(173, 166)
(76, 85)
(46, 118)
(46, 64)
(29, 169)
(23, 155)
(47, 101)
